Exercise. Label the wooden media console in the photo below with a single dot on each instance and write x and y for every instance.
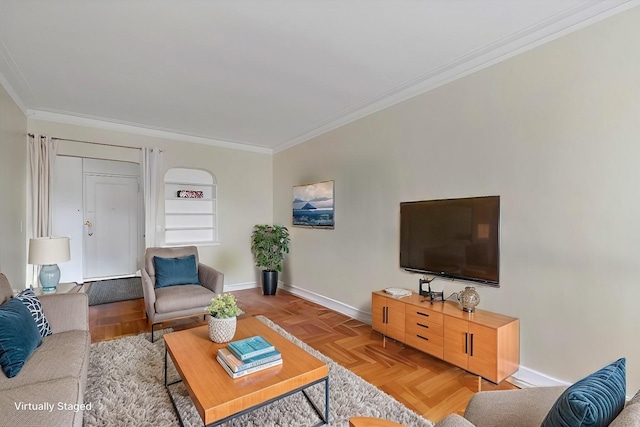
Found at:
(484, 343)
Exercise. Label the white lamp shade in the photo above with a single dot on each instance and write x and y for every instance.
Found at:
(49, 250)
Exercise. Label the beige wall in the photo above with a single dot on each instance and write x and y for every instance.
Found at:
(13, 190)
(556, 133)
(244, 186)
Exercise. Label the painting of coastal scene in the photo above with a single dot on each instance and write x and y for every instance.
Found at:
(313, 205)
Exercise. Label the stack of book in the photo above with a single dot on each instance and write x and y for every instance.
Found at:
(249, 355)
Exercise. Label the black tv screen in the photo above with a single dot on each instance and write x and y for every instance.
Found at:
(454, 238)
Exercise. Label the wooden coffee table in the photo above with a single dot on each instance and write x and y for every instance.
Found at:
(218, 397)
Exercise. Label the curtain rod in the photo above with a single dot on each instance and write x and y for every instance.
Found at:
(89, 142)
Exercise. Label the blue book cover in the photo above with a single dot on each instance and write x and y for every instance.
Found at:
(238, 365)
(250, 347)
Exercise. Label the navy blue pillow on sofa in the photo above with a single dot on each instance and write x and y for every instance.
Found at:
(593, 401)
(19, 336)
(176, 271)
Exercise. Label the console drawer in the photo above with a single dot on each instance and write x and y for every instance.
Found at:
(427, 342)
(424, 314)
(421, 325)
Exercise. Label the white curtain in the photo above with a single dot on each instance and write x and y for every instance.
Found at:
(42, 157)
(151, 164)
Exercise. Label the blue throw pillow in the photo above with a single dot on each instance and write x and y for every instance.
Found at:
(176, 271)
(19, 336)
(593, 401)
(32, 302)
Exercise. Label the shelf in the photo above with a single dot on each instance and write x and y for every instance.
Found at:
(191, 199)
(188, 213)
(189, 228)
(192, 184)
(201, 243)
(190, 221)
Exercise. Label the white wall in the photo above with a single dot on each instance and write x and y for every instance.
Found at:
(244, 186)
(555, 132)
(13, 191)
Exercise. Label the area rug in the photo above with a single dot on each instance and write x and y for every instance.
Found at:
(126, 387)
(114, 290)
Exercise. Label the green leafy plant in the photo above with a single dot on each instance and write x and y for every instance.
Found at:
(223, 306)
(269, 243)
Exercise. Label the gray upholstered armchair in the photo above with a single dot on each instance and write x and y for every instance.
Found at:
(177, 300)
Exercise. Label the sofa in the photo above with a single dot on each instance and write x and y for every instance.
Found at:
(525, 408)
(49, 388)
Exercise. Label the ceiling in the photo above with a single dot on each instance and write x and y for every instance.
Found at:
(259, 75)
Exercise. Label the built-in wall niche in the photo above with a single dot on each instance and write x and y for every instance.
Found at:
(190, 205)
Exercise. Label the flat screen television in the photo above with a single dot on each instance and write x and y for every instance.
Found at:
(452, 238)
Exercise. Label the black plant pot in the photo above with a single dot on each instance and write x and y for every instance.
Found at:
(269, 282)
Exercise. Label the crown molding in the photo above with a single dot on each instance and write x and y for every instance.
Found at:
(12, 93)
(136, 129)
(551, 29)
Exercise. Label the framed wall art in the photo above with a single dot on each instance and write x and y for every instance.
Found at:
(313, 205)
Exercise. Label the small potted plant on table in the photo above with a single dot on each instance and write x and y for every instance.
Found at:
(269, 243)
(222, 311)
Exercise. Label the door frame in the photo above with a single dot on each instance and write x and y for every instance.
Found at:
(73, 227)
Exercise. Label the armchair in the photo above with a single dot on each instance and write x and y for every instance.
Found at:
(183, 301)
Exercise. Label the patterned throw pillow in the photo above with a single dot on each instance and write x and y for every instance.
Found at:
(31, 301)
(594, 401)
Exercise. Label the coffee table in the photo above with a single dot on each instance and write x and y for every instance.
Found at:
(218, 397)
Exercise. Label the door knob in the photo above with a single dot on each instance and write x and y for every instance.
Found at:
(89, 224)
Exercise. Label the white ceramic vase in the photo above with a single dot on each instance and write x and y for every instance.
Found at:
(222, 330)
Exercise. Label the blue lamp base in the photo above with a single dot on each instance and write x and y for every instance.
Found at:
(49, 277)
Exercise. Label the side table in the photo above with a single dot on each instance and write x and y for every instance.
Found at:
(62, 288)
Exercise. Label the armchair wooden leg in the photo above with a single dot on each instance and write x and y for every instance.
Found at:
(152, 325)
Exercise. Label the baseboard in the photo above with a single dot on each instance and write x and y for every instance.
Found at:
(526, 378)
(240, 286)
(334, 305)
(338, 306)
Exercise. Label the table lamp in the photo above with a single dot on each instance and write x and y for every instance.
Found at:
(48, 252)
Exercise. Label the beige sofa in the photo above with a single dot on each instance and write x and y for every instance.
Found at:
(49, 389)
(524, 408)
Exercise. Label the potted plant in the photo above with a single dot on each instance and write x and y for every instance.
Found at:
(269, 243)
(222, 311)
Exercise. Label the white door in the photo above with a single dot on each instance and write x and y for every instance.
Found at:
(111, 225)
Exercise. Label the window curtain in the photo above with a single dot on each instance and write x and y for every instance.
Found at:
(151, 165)
(42, 156)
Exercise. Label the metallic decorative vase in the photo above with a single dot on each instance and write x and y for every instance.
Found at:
(222, 330)
(469, 299)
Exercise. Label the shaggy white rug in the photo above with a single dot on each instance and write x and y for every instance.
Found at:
(126, 388)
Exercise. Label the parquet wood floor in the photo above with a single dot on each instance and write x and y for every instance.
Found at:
(429, 386)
